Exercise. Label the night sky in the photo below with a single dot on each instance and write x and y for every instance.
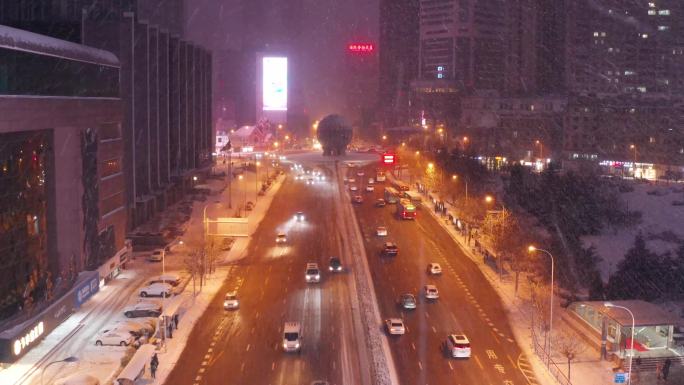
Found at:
(316, 32)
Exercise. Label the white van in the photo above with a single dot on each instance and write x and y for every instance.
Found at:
(292, 337)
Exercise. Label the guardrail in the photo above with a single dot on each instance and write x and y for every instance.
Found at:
(551, 365)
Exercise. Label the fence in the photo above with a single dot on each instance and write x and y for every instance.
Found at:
(552, 367)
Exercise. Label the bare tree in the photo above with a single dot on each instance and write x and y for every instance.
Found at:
(570, 346)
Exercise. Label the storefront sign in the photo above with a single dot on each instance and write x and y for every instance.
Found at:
(31, 335)
(86, 289)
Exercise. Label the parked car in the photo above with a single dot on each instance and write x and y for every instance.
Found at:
(171, 279)
(370, 188)
(156, 289)
(114, 337)
(142, 309)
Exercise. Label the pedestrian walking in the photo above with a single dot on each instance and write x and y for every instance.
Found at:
(659, 370)
(666, 368)
(170, 329)
(153, 365)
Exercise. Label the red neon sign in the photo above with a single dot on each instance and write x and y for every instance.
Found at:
(361, 47)
(388, 158)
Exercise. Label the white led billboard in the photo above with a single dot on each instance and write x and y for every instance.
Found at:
(274, 84)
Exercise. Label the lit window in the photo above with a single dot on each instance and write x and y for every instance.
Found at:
(651, 139)
(644, 36)
(664, 12)
(596, 34)
(641, 89)
(440, 76)
(629, 73)
(651, 5)
(663, 28)
(603, 34)
(651, 12)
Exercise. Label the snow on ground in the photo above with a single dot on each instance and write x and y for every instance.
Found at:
(659, 220)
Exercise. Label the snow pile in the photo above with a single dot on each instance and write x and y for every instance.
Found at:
(662, 225)
(32, 42)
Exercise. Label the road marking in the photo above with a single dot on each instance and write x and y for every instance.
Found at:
(427, 315)
(413, 346)
(434, 330)
(491, 354)
(210, 349)
(478, 362)
(334, 366)
(256, 315)
(242, 367)
(273, 366)
(201, 370)
(253, 328)
(420, 365)
(495, 329)
(450, 367)
(512, 362)
(207, 356)
(284, 300)
(198, 378)
(248, 346)
(510, 340)
(204, 363)
(496, 338)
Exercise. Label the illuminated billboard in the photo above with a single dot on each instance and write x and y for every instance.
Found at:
(274, 84)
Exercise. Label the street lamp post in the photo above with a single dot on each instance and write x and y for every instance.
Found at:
(68, 359)
(244, 200)
(256, 180)
(634, 165)
(490, 199)
(631, 341)
(531, 250)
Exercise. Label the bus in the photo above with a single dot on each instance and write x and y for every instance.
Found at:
(391, 195)
(406, 209)
(414, 197)
(401, 186)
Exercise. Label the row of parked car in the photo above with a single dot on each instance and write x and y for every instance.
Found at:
(141, 316)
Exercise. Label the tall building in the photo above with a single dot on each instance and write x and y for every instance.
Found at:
(62, 183)
(165, 87)
(398, 58)
(625, 47)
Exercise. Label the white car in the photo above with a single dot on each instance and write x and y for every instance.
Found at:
(114, 337)
(351, 180)
(395, 326)
(458, 346)
(353, 188)
(359, 173)
(281, 238)
(434, 268)
(171, 279)
(143, 309)
(381, 231)
(299, 216)
(370, 188)
(371, 181)
(431, 292)
(231, 301)
(156, 289)
(292, 335)
(313, 273)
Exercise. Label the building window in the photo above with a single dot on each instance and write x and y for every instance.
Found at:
(27, 73)
(664, 12)
(111, 167)
(651, 139)
(663, 28)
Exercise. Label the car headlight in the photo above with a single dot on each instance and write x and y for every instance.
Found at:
(284, 344)
(297, 345)
(318, 276)
(225, 303)
(330, 268)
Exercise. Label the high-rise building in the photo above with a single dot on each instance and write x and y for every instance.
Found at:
(625, 47)
(398, 58)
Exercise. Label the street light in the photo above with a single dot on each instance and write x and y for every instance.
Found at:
(244, 201)
(256, 180)
(384, 137)
(68, 359)
(631, 341)
(532, 249)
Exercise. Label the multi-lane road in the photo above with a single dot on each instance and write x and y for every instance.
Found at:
(244, 346)
(467, 304)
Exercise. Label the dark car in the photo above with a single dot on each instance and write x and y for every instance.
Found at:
(142, 309)
(380, 203)
(390, 249)
(335, 265)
